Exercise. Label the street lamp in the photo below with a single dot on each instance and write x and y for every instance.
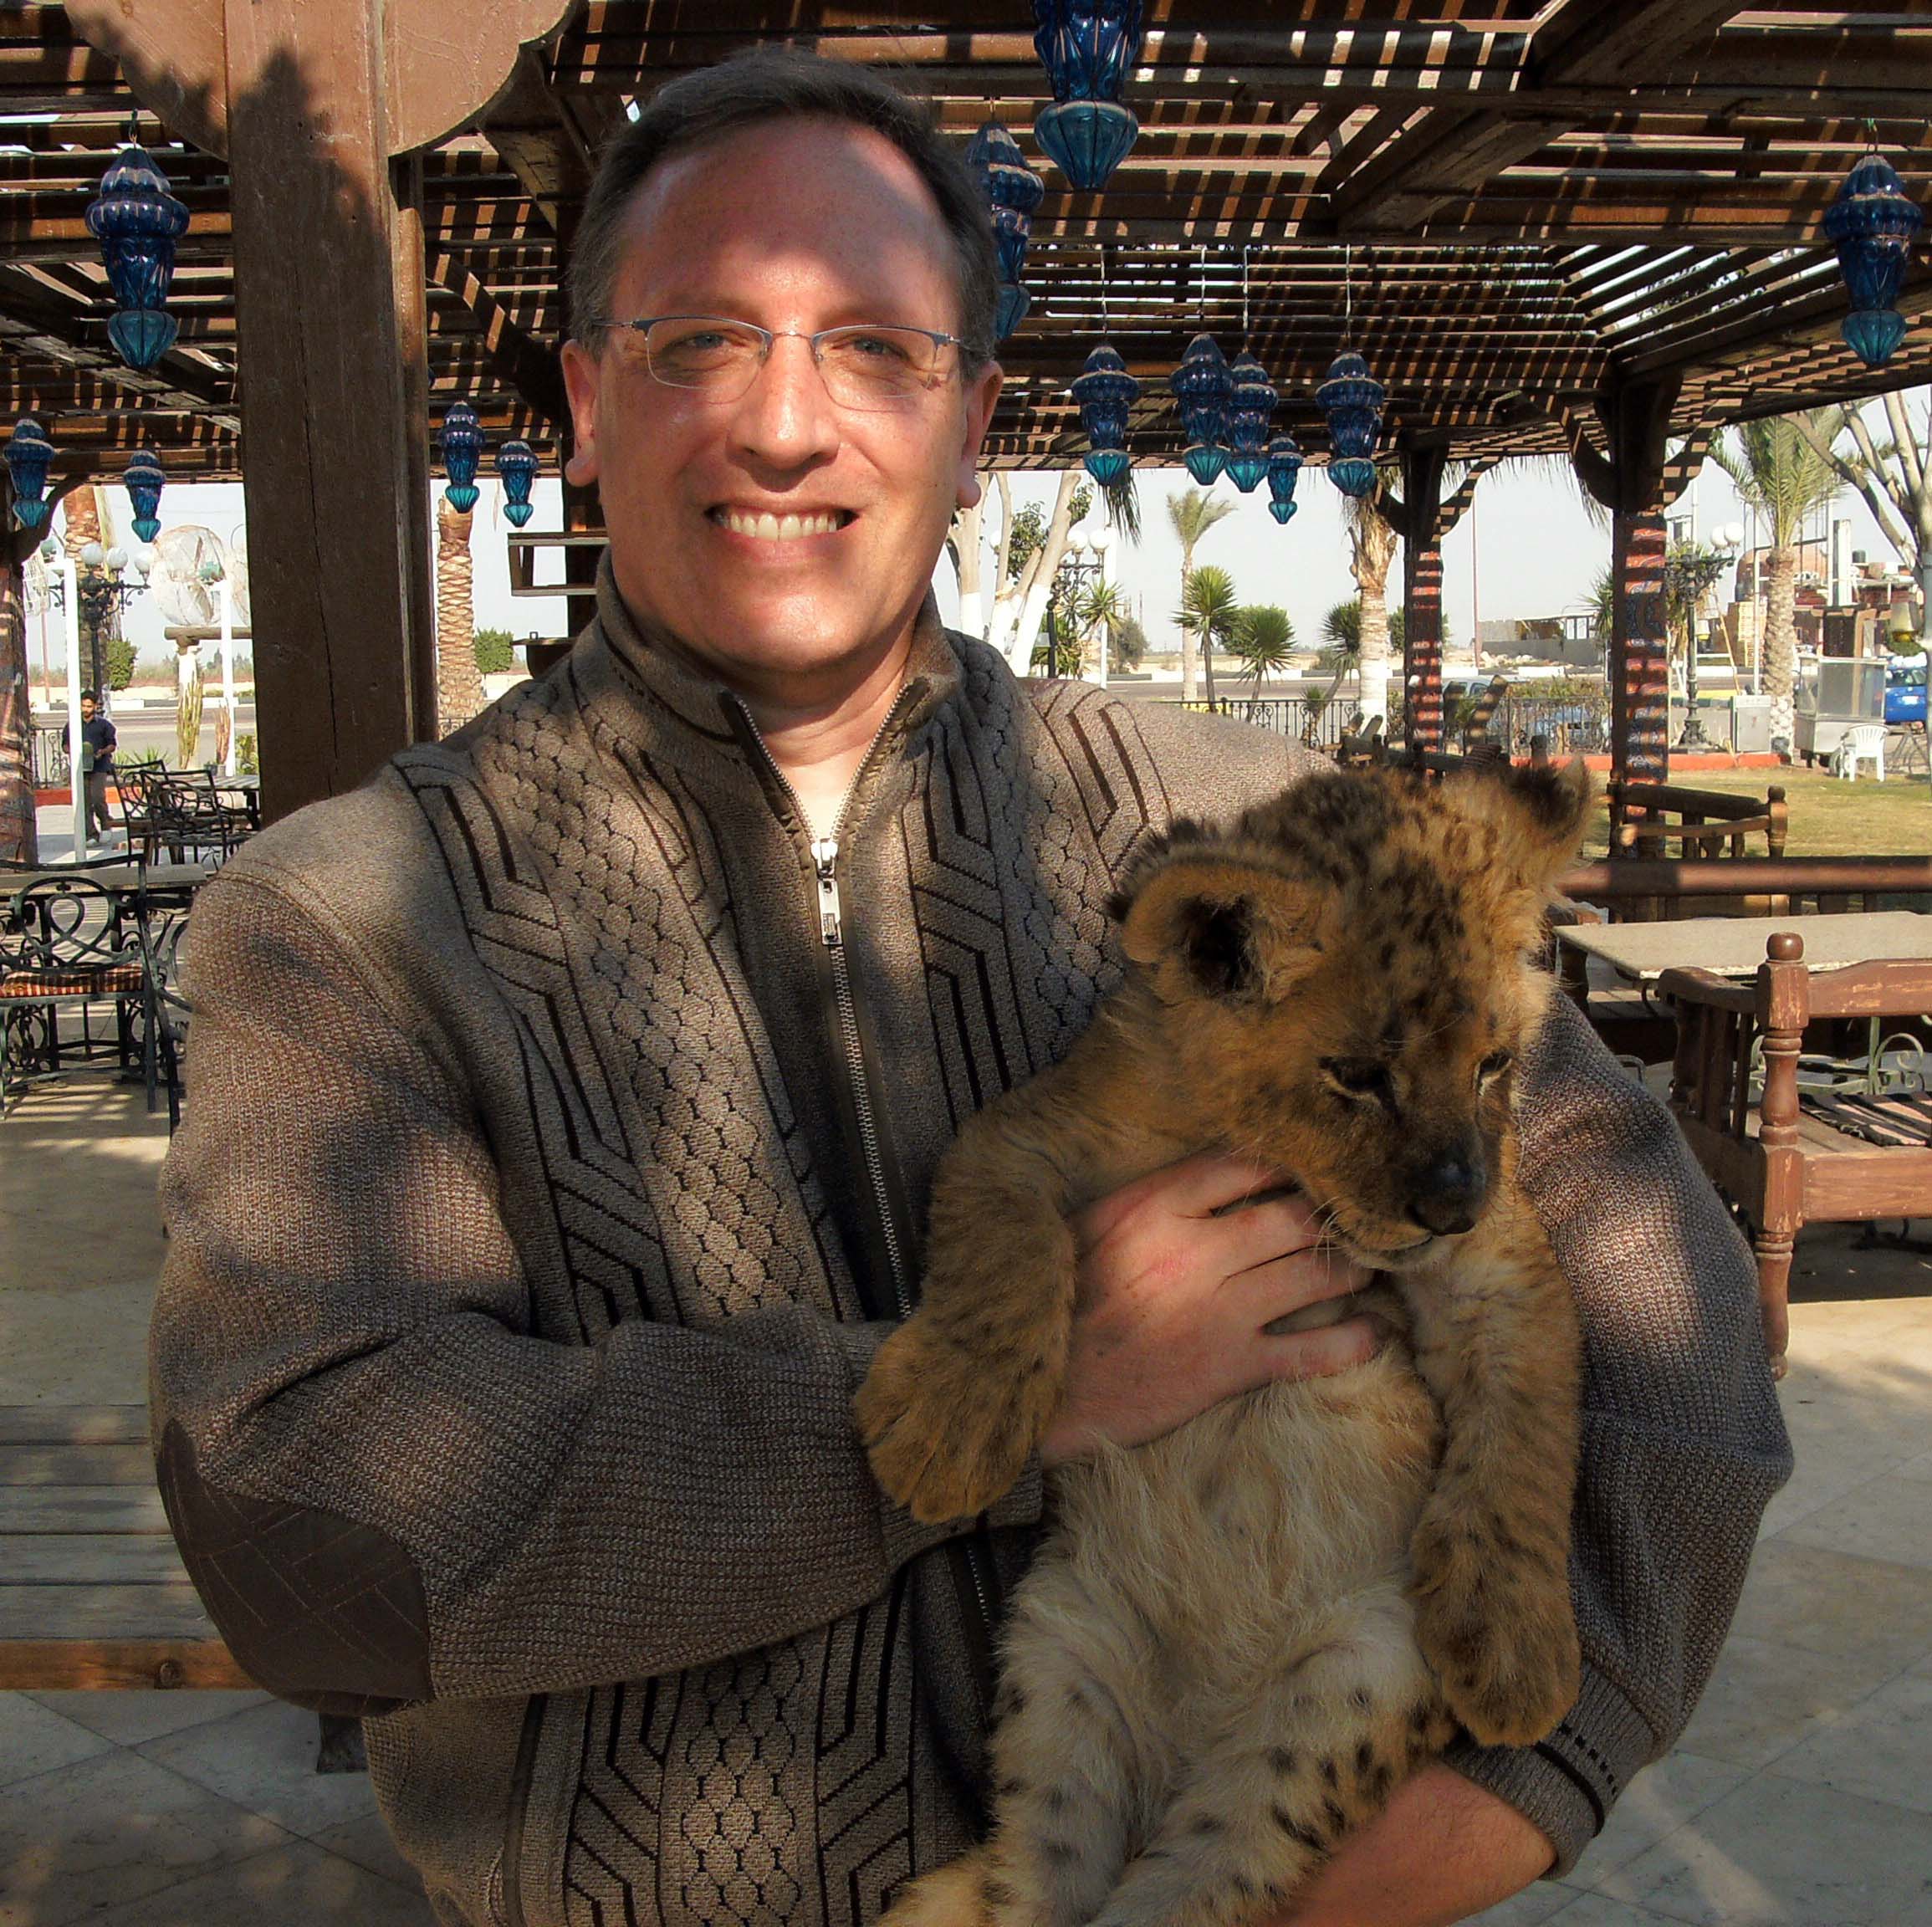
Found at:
(1727, 540)
(1077, 566)
(100, 595)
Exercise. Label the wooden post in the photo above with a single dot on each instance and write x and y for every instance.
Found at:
(330, 341)
(1639, 652)
(1419, 522)
(1783, 1002)
(19, 835)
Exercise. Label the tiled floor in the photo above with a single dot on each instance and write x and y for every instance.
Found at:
(1801, 1793)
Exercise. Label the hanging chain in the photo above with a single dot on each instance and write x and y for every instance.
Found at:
(1245, 336)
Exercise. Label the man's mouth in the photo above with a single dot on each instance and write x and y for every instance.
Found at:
(764, 527)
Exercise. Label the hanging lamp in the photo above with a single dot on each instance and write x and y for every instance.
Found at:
(1105, 392)
(1872, 222)
(462, 438)
(517, 464)
(137, 222)
(1088, 47)
(1283, 471)
(1352, 399)
(1250, 408)
(1202, 386)
(144, 478)
(1011, 190)
(29, 455)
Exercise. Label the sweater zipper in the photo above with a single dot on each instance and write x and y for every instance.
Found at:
(825, 855)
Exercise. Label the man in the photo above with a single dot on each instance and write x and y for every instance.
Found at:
(98, 740)
(565, 1099)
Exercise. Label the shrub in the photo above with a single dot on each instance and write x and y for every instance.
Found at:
(495, 651)
(120, 654)
(247, 757)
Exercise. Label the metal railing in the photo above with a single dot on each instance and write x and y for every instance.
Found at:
(48, 756)
(1317, 724)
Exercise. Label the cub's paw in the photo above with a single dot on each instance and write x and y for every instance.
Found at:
(945, 1438)
(1500, 1635)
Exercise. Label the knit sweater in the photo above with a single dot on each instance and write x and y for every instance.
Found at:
(559, 1129)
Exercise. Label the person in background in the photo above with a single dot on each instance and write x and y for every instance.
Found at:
(97, 741)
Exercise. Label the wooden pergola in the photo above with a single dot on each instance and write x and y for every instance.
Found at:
(1584, 227)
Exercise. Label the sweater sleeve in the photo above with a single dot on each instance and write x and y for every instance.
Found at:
(385, 1487)
(1683, 1444)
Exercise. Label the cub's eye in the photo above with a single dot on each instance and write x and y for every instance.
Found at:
(1358, 1077)
(1493, 1066)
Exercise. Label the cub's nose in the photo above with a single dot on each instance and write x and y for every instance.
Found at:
(1446, 1197)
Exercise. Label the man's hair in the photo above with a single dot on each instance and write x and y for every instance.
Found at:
(89, 696)
(779, 84)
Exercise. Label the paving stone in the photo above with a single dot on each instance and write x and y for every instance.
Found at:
(1662, 1798)
(366, 1841)
(295, 1886)
(110, 1831)
(1886, 1518)
(1540, 1901)
(1826, 1602)
(1777, 1853)
(1877, 1749)
(129, 1718)
(1764, 1698)
(264, 1759)
(35, 1740)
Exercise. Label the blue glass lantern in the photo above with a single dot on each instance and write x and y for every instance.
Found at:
(144, 479)
(1011, 190)
(29, 455)
(1251, 415)
(517, 464)
(1352, 399)
(1283, 471)
(1105, 392)
(1872, 222)
(1088, 48)
(1202, 386)
(137, 222)
(463, 440)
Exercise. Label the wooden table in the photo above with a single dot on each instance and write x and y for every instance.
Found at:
(1734, 946)
(123, 879)
(92, 1592)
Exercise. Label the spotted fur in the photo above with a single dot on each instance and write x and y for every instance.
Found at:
(1237, 1640)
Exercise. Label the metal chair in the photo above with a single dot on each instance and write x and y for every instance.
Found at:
(65, 949)
(161, 934)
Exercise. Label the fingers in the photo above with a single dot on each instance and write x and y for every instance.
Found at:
(1288, 1283)
(1196, 1187)
(1319, 1354)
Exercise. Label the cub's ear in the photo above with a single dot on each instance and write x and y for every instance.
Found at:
(1214, 926)
(1551, 810)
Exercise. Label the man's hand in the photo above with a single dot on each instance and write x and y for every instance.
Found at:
(1180, 1273)
(1442, 1849)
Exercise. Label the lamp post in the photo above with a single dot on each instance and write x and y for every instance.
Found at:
(1100, 541)
(100, 595)
(1062, 604)
(1726, 540)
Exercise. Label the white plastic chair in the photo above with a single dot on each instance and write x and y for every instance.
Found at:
(1863, 743)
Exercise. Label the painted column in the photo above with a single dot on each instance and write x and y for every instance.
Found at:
(1422, 641)
(1639, 650)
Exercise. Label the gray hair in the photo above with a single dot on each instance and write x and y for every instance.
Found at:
(776, 84)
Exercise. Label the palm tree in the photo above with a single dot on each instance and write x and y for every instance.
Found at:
(1341, 635)
(1206, 612)
(459, 690)
(1781, 473)
(1194, 512)
(1100, 608)
(1262, 636)
(1371, 543)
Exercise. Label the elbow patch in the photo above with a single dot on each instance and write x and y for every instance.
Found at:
(315, 1607)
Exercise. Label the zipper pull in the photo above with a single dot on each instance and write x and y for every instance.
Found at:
(824, 855)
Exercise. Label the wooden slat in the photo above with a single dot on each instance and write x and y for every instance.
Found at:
(80, 1509)
(53, 1665)
(120, 1611)
(69, 1559)
(72, 1424)
(76, 1465)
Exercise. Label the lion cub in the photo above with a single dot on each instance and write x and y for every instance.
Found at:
(1237, 1639)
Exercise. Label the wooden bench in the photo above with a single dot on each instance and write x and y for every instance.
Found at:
(1782, 1164)
(92, 1592)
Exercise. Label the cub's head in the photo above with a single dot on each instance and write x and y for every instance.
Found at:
(1344, 980)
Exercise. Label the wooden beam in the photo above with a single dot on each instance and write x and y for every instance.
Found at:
(531, 368)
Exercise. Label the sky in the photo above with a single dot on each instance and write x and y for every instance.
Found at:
(1527, 549)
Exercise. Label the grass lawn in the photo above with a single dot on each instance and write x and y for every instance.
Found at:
(1828, 818)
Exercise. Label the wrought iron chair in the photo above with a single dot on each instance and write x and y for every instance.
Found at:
(66, 950)
(161, 933)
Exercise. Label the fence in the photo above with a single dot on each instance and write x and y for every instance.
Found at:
(1318, 724)
(48, 756)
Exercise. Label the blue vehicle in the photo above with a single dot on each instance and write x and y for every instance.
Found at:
(1905, 689)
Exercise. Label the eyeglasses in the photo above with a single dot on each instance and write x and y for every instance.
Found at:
(863, 367)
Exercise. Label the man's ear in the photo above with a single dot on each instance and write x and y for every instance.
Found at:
(1217, 927)
(981, 396)
(581, 377)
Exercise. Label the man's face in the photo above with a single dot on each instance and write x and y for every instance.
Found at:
(87, 709)
(800, 225)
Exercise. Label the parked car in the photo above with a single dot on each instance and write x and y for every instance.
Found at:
(1905, 689)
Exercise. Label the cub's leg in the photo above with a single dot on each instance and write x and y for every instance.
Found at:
(963, 1391)
(1496, 1340)
(1305, 1755)
(1083, 1754)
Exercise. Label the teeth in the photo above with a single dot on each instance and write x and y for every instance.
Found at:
(778, 528)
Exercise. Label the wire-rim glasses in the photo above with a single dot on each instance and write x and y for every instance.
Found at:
(864, 366)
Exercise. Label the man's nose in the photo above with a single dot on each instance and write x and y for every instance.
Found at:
(786, 417)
